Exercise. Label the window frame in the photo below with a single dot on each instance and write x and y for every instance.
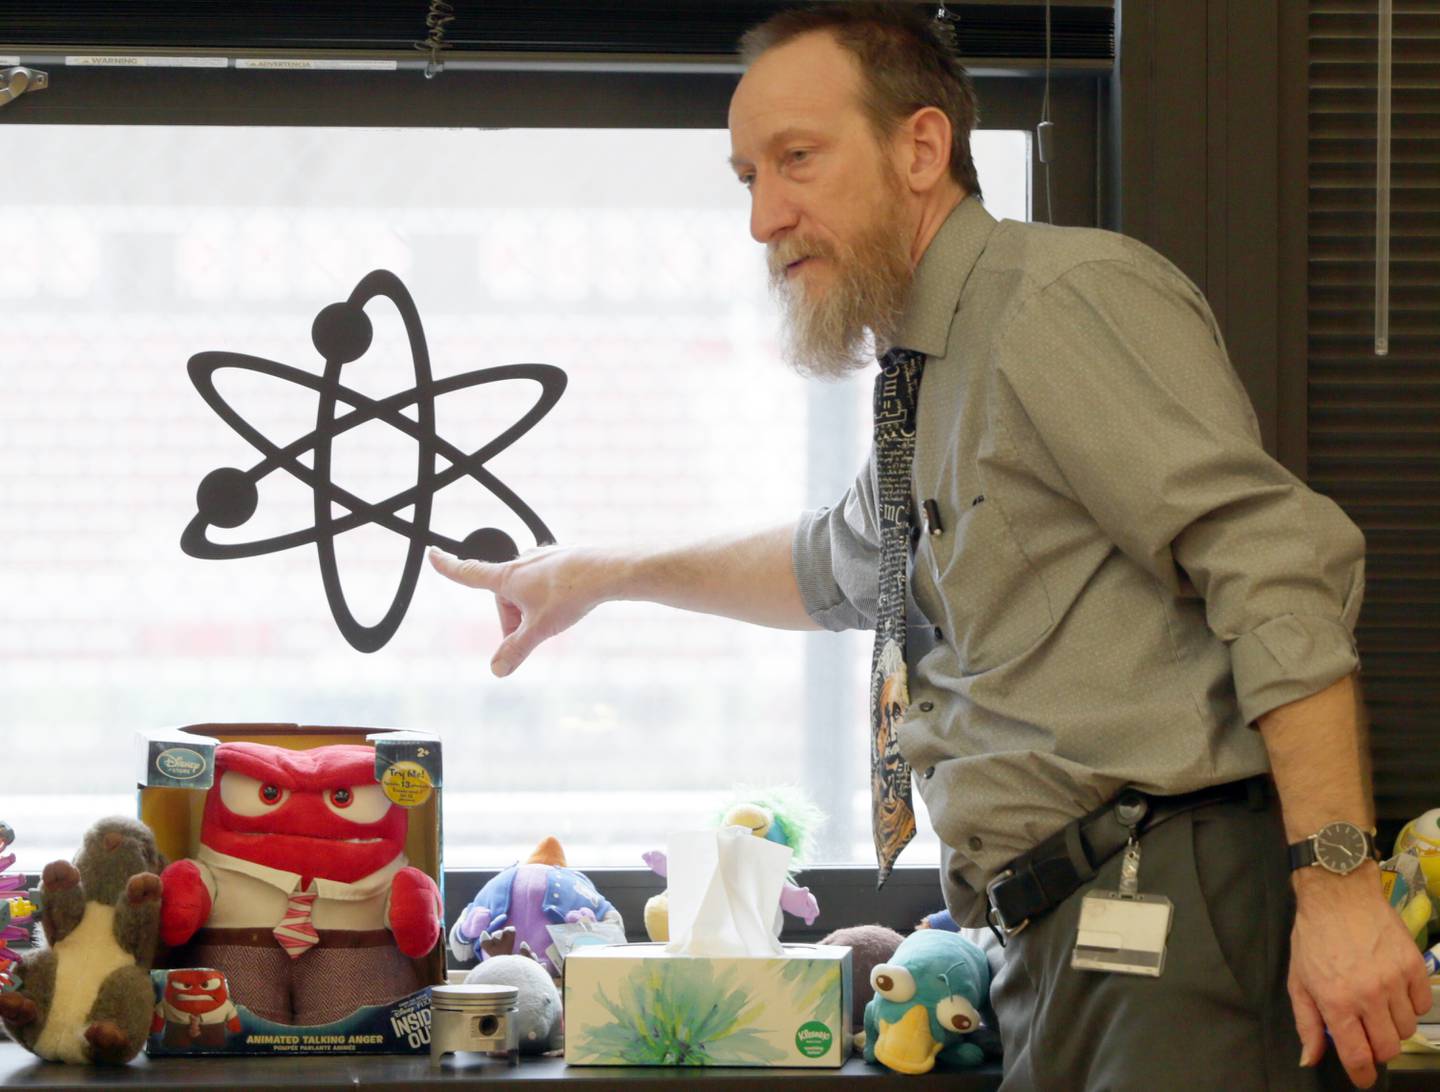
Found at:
(674, 92)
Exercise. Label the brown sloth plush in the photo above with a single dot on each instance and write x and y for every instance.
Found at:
(87, 998)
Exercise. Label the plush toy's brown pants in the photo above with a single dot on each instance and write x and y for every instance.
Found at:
(345, 970)
(178, 1037)
(1219, 1017)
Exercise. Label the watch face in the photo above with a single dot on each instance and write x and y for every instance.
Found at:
(1340, 847)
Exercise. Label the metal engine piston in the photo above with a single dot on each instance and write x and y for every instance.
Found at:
(478, 1017)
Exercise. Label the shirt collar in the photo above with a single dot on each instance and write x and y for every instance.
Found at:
(941, 275)
(363, 888)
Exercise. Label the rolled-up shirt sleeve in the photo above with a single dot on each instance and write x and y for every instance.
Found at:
(1122, 375)
(836, 555)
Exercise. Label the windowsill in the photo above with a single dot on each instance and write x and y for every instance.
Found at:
(1410, 1072)
(20, 1070)
(846, 894)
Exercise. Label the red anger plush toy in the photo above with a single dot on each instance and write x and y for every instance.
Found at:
(195, 1009)
(300, 893)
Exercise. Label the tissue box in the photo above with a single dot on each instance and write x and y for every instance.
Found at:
(176, 769)
(635, 1004)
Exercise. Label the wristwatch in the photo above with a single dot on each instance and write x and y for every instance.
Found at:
(1338, 847)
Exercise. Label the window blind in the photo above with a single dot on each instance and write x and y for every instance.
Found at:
(994, 30)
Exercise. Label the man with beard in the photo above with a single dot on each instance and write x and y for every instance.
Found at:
(1120, 587)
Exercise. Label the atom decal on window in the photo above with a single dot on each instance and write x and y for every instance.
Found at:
(228, 496)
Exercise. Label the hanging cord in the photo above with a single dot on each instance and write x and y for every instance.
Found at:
(945, 24)
(439, 17)
(1044, 132)
(1382, 183)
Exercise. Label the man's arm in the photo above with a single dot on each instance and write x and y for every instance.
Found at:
(1353, 966)
(544, 592)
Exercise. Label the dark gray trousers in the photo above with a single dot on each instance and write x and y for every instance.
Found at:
(1219, 1017)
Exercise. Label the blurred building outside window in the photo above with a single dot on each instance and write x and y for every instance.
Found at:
(621, 256)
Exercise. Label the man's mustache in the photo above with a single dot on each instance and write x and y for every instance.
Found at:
(792, 249)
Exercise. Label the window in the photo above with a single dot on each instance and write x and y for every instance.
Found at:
(622, 256)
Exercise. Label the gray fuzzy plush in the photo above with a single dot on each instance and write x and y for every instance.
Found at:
(538, 1019)
(87, 997)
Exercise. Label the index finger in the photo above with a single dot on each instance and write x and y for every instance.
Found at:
(471, 573)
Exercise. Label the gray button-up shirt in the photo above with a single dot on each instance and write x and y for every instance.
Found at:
(1125, 580)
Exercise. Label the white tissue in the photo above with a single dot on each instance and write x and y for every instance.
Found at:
(724, 890)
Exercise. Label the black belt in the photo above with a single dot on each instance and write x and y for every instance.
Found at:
(1043, 878)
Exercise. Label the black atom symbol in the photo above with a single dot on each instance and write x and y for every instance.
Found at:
(228, 496)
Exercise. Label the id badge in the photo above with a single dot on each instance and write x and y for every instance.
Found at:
(1122, 933)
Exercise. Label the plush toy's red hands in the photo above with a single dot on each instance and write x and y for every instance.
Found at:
(157, 1022)
(233, 1023)
(184, 902)
(414, 912)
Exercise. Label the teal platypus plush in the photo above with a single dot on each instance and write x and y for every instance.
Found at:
(928, 1004)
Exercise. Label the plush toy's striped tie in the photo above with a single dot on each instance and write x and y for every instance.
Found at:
(295, 933)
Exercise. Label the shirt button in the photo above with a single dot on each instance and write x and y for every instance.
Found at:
(926, 706)
(929, 773)
(976, 845)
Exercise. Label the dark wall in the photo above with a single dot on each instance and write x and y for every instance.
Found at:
(1241, 140)
(1193, 139)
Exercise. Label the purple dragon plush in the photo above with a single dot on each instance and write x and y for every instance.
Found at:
(513, 912)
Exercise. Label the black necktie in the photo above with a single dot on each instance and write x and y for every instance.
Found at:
(897, 391)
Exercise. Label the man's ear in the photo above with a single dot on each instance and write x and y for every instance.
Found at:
(925, 149)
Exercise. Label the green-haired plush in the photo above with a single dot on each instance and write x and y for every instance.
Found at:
(781, 814)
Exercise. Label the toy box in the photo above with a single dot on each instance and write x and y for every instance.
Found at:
(635, 1004)
(177, 771)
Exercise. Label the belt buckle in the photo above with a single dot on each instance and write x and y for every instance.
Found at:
(1002, 929)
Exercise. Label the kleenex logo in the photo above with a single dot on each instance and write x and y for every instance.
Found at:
(181, 763)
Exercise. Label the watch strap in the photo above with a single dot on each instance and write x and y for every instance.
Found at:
(1302, 854)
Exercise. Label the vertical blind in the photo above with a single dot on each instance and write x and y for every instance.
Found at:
(1374, 421)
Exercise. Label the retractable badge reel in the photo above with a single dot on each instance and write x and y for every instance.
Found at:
(1124, 931)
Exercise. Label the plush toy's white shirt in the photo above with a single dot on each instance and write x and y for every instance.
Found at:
(246, 895)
